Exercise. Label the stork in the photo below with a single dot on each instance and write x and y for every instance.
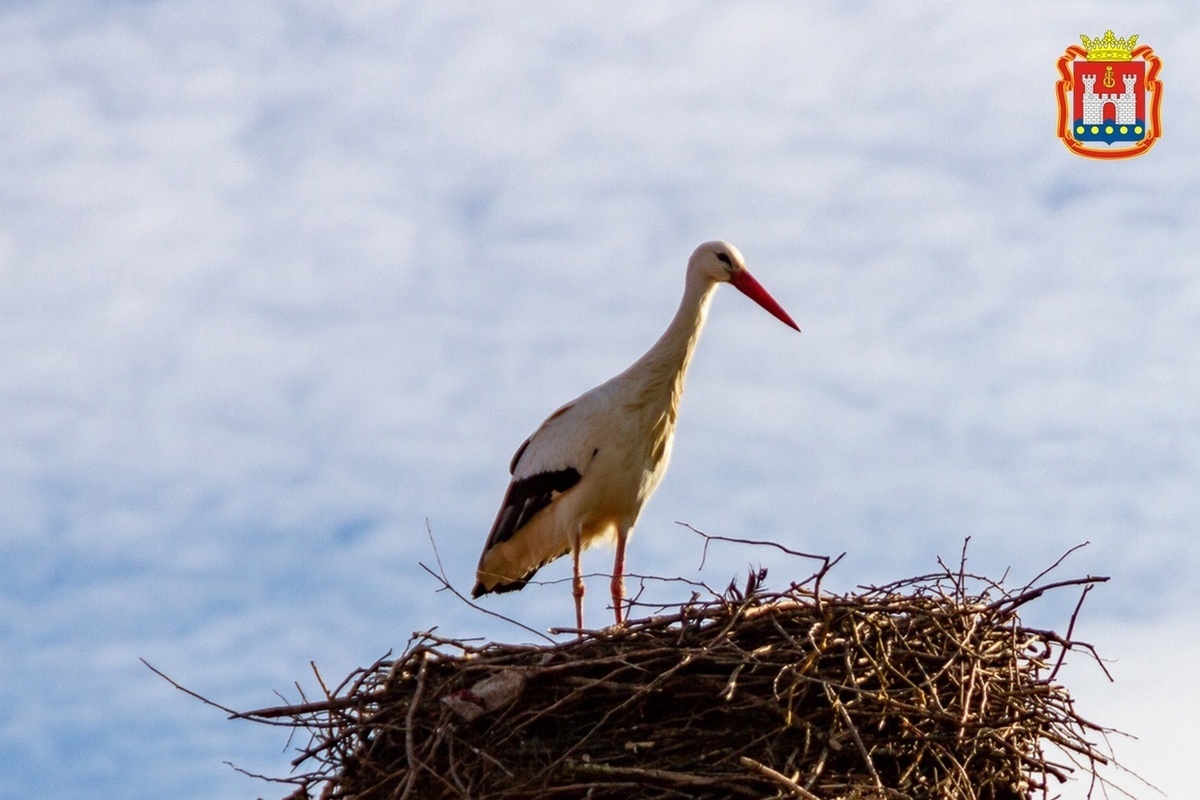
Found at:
(584, 475)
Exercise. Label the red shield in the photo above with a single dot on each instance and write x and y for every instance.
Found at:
(1109, 109)
(1109, 101)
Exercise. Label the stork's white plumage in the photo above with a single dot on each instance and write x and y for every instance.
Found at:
(585, 474)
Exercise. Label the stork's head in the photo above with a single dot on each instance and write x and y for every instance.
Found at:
(721, 262)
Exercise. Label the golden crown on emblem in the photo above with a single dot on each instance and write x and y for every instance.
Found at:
(1109, 48)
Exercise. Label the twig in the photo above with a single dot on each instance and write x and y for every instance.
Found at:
(440, 575)
(232, 714)
(709, 537)
(305, 709)
(854, 734)
(1052, 567)
(1012, 602)
(646, 775)
(778, 777)
(1064, 648)
(446, 585)
(409, 723)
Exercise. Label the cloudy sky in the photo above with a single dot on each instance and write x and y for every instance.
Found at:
(285, 284)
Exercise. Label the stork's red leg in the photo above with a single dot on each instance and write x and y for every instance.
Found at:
(618, 577)
(577, 587)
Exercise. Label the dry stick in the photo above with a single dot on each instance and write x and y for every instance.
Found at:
(431, 747)
(335, 741)
(634, 576)
(966, 698)
(613, 631)
(358, 676)
(1053, 638)
(432, 543)
(649, 775)
(817, 594)
(1012, 602)
(320, 680)
(841, 709)
(333, 704)
(446, 585)
(822, 760)
(232, 714)
(586, 790)
(441, 576)
(709, 537)
(827, 562)
(683, 662)
(778, 777)
(1052, 567)
(410, 780)
(452, 766)
(635, 600)
(962, 772)
(1062, 652)
(961, 585)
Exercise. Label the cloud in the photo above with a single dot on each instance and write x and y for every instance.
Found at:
(283, 282)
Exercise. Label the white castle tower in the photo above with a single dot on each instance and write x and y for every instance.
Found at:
(1125, 102)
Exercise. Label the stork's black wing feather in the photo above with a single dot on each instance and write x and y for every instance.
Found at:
(526, 497)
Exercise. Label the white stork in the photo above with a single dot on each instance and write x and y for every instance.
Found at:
(584, 475)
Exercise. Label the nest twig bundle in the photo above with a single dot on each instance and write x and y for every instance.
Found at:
(924, 688)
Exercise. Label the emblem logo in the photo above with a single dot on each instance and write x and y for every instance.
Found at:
(1108, 97)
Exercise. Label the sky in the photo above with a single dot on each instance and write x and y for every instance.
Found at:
(284, 285)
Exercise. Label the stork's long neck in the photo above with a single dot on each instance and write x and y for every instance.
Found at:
(659, 374)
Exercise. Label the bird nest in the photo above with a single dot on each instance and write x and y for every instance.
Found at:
(930, 687)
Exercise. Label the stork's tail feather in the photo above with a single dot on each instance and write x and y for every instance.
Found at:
(508, 566)
(512, 586)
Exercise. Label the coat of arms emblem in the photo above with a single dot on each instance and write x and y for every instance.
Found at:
(1108, 97)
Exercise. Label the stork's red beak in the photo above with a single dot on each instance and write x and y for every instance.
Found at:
(745, 283)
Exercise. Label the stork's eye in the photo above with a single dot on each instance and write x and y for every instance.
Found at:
(725, 258)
